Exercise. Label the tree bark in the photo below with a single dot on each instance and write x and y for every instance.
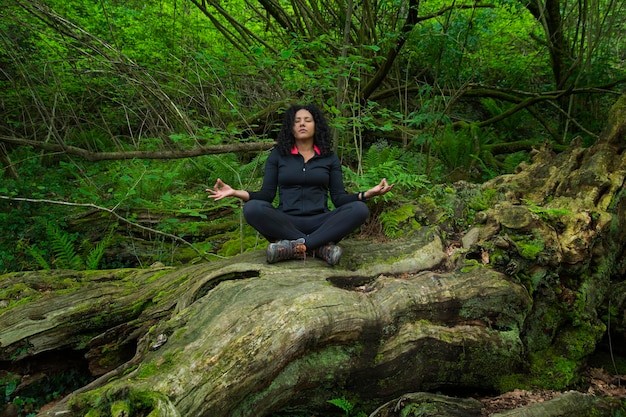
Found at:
(246, 338)
(548, 14)
(124, 155)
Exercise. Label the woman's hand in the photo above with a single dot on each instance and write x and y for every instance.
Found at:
(382, 188)
(220, 190)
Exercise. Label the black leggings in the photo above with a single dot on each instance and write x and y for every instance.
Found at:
(317, 229)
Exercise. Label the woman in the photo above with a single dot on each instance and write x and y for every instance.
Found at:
(304, 170)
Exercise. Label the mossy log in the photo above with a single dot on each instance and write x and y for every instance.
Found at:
(517, 299)
(253, 338)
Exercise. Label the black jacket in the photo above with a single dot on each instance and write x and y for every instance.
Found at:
(303, 187)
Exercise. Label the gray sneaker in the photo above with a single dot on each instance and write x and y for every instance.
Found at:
(285, 249)
(330, 253)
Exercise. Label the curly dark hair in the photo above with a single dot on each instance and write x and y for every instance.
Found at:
(322, 139)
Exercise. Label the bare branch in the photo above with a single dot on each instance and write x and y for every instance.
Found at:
(112, 212)
(124, 155)
(246, 36)
(410, 22)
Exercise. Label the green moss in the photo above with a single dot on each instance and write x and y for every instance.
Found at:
(470, 264)
(547, 371)
(483, 200)
(530, 245)
(30, 287)
(552, 371)
(144, 400)
(511, 382)
(17, 294)
(478, 363)
(577, 343)
(90, 401)
(160, 365)
(498, 257)
(558, 365)
(153, 276)
(117, 402)
(236, 245)
(530, 249)
(486, 364)
(121, 409)
(509, 318)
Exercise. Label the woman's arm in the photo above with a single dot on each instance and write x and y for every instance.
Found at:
(268, 189)
(340, 196)
(222, 190)
(270, 179)
(382, 188)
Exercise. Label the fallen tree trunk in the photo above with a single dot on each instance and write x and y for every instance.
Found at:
(517, 300)
(256, 338)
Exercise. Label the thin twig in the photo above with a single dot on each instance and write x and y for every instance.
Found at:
(110, 211)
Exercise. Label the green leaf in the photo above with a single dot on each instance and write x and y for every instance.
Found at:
(342, 403)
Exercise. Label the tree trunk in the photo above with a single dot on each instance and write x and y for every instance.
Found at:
(517, 300)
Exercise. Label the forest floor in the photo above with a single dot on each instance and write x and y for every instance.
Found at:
(597, 381)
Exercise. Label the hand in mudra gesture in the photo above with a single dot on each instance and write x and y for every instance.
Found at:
(220, 190)
(382, 188)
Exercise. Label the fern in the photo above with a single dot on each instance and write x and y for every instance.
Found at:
(395, 164)
(63, 249)
(393, 220)
(230, 169)
(62, 245)
(455, 149)
(344, 404)
(253, 170)
(94, 256)
(34, 253)
(380, 153)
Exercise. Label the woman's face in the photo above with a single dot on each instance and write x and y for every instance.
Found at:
(303, 125)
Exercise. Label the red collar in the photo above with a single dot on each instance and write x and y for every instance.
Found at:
(294, 150)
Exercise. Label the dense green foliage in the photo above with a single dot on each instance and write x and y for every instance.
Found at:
(418, 92)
